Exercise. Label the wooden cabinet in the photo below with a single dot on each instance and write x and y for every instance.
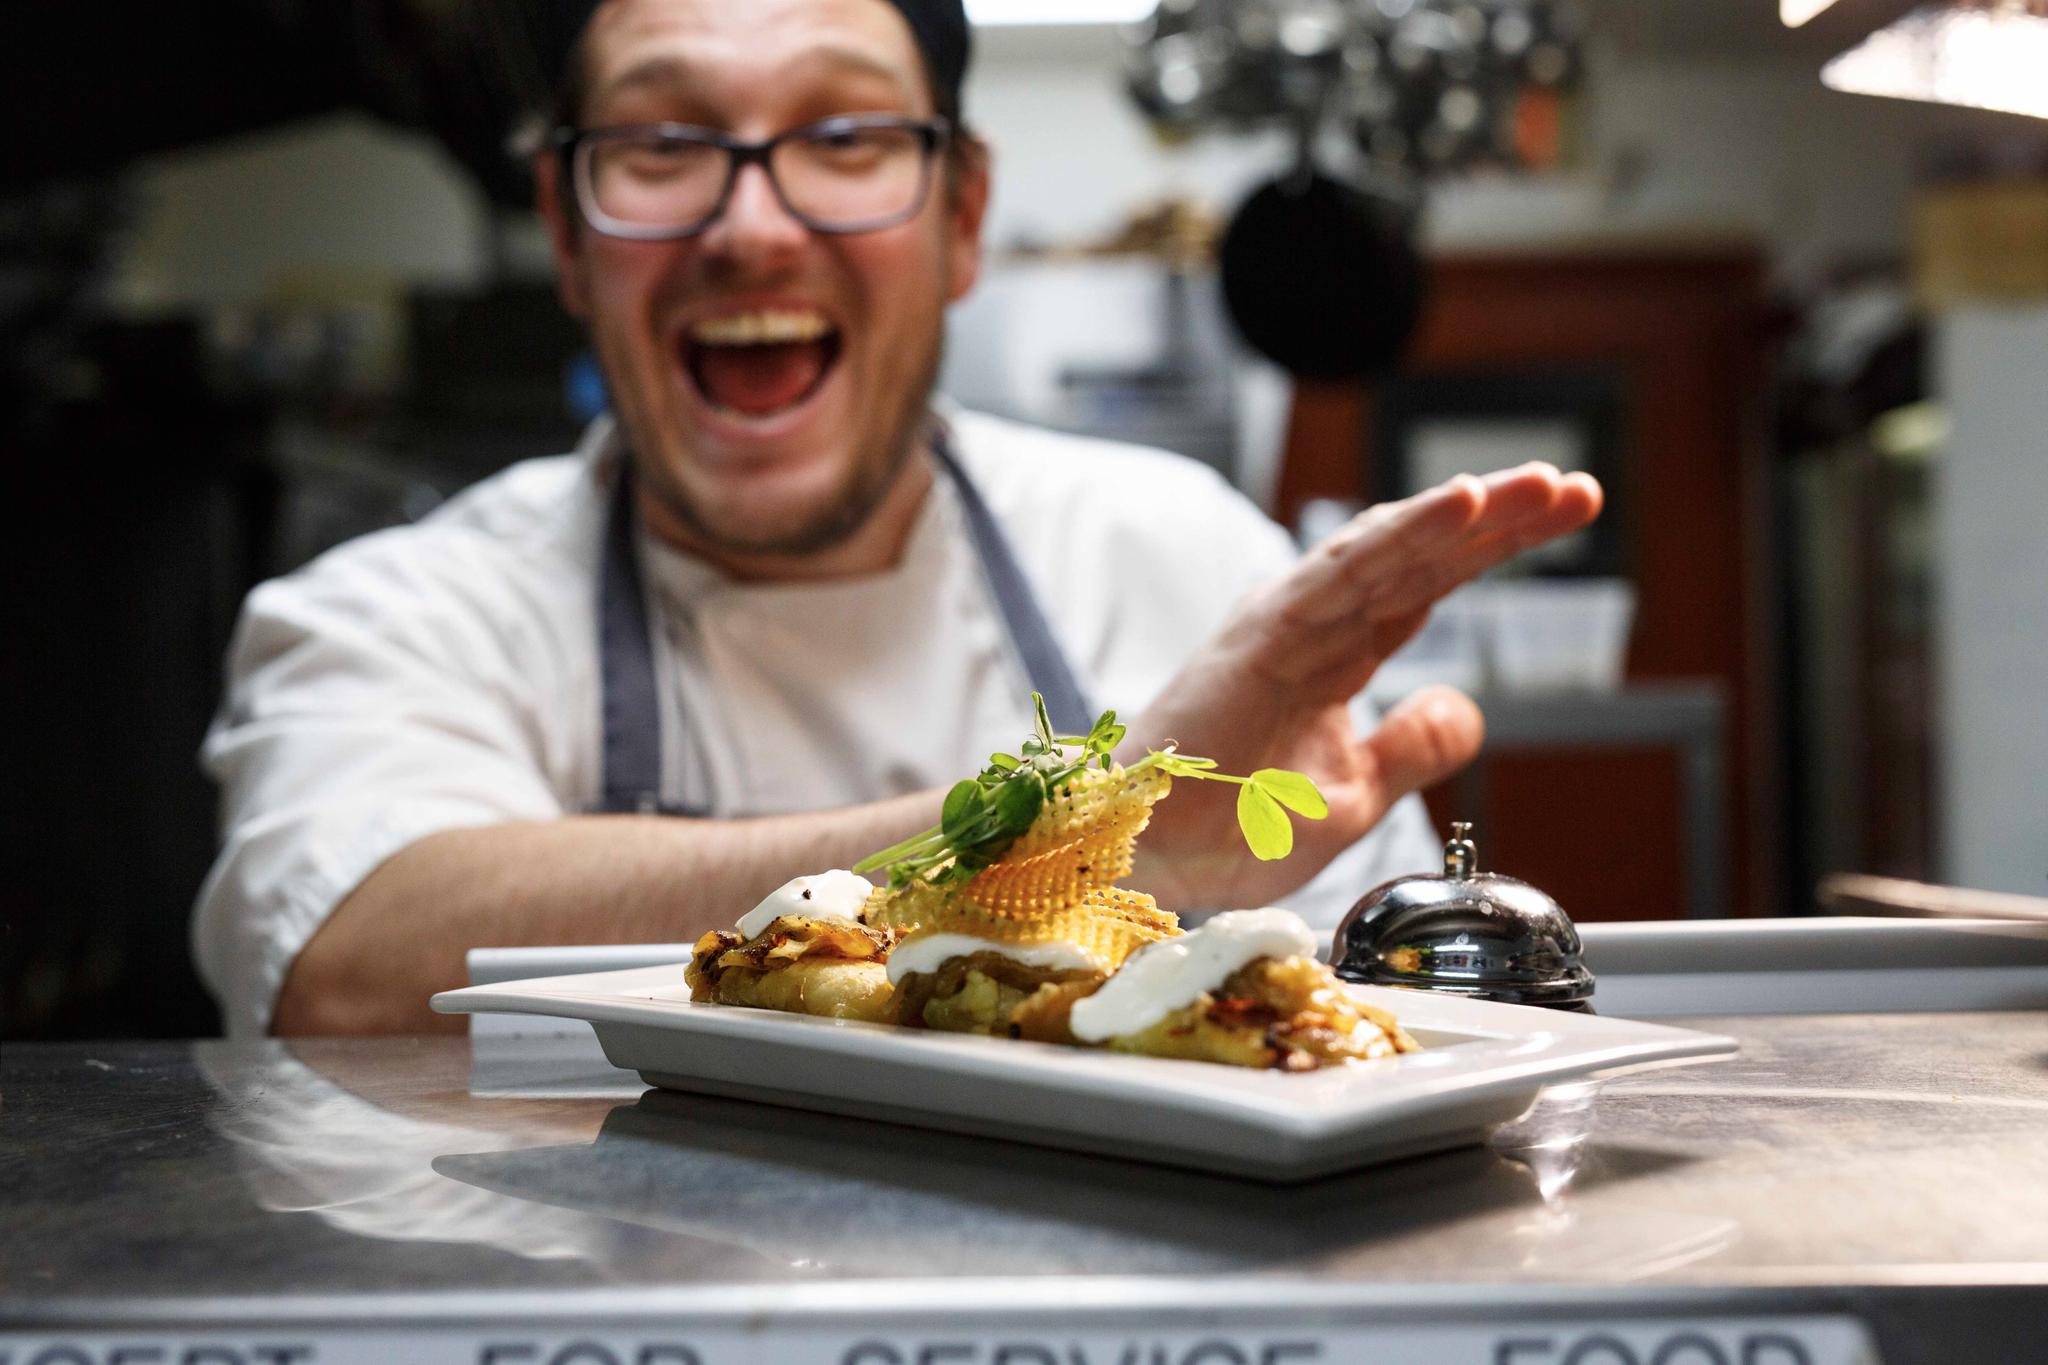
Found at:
(1682, 336)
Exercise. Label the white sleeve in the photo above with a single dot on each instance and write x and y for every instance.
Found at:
(365, 709)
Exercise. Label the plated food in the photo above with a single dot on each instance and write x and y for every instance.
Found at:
(1006, 920)
(804, 950)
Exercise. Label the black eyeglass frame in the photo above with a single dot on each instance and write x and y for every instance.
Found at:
(569, 144)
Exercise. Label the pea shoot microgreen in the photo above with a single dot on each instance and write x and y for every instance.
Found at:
(984, 814)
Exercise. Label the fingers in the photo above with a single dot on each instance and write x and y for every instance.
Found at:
(1342, 572)
(1583, 495)
(1399, 556)
(1579, 500)
(1423, 740)
(1524, 507)
(1361, 594)
(1406, 561)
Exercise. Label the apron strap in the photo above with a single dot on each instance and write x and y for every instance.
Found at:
(1045, 663)
(632, 698)
(632, 703)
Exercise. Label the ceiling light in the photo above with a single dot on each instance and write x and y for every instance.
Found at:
(988, 12)
(1793, 13)
(1983, 58)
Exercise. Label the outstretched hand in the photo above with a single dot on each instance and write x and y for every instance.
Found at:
(1272, 690)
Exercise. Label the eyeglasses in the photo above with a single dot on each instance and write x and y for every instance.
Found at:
(660, 182)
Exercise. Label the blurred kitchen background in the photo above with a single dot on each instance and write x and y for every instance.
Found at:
(267, 282)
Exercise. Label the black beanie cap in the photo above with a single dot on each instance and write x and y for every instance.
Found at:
(939, 26)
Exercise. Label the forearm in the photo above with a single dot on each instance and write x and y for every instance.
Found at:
(402, 934)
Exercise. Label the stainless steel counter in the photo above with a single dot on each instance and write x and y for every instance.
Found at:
(1880, 1177)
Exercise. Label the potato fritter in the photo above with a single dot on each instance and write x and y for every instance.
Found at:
(828, 967)
(1287, 1014)
(979, 993)
(1046, 1015)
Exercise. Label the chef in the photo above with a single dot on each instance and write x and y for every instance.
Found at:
(782, 595)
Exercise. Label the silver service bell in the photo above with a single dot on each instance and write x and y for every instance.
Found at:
(1466, 932)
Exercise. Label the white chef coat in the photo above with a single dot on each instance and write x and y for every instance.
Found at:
(446, 674)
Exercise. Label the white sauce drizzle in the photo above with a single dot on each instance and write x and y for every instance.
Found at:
(929, 952)
(1161, 977)
(824, 895)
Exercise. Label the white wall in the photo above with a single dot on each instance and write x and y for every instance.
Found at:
(1992, 577)
(1072, 154)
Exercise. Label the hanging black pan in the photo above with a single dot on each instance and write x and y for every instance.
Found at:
(1322, 277)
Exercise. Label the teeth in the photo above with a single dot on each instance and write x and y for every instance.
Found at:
(764, 327)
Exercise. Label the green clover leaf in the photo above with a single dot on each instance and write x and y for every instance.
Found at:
(1292, 790)
(1266, 827)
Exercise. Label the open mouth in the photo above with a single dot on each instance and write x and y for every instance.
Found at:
(762, 362)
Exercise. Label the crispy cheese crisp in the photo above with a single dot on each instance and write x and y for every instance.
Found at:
(1108, 923)
(1057, 880)
(1091, 800)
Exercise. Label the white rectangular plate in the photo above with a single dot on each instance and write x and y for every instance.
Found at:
(1481, 1064)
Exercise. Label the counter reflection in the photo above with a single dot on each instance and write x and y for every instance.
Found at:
(540, 1160)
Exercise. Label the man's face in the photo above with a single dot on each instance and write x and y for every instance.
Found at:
(780, 448)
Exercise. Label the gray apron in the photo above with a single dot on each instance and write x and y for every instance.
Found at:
(632, 705)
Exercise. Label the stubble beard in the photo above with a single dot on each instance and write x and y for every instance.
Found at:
(874, 472)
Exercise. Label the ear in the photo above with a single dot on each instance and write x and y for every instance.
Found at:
(967, 207)
(563, 233)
